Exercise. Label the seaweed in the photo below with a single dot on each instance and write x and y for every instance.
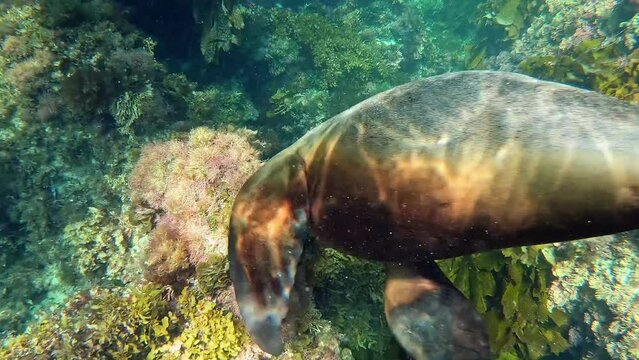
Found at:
(133, 324)
(215, 106)
(349, 293)
(593, 64)
(187, 187)
(213, 274)
(510, 288)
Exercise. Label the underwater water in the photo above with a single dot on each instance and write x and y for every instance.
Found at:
(128, 127)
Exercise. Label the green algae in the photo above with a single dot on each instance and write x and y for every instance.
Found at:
(349, 292)
(510, 287)
(213, 274)
(137, 325)
(215, 106)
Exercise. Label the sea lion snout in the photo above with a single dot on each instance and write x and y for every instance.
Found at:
(267, 334)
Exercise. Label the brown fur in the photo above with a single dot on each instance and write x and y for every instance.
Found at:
(472, 161)
(439, 167)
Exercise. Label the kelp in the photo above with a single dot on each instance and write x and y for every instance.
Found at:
(510, 16)
(593, 64)
(510, 289)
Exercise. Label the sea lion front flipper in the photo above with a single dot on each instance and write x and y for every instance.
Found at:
(430, 318)
(267, 233)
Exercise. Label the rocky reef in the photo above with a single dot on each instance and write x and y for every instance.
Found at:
(127, 128)
(596, 281)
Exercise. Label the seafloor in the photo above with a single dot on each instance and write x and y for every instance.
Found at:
(127, 127)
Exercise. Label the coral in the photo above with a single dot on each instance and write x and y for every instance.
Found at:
(597, 284)
(191, 185)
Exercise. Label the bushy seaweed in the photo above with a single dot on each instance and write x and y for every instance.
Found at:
(594, 65)
(188, 187)
(349, 292)
(143, 323)
(213, 274)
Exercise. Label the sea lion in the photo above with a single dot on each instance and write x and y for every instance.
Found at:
(436, 168)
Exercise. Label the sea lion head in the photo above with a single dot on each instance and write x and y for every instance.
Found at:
(266, 237)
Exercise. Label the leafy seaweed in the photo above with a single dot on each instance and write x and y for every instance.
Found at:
(510, 287)
(593, 64)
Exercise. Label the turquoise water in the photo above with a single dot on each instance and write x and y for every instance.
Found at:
(128, 127)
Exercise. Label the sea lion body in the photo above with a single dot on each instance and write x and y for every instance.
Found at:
(472, 161)
(439, 167)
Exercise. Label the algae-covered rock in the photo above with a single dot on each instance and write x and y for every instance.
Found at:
(592, 64)
(597, 285)
(188, 186)
(100, 245)
(146, 322)
(215, 106)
